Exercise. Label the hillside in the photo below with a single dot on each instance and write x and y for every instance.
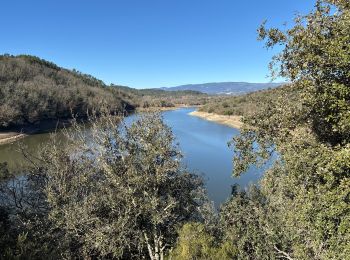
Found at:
(225, 88)
(245, 105)
(33, 90)
(159, 98)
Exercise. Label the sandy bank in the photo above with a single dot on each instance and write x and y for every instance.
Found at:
(9, 137)
(232, 121)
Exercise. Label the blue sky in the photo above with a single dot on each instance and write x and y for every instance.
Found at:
(147, 43)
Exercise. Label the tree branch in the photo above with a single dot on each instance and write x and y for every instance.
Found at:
(284, 254)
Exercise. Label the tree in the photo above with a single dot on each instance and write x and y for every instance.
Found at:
(113, 192)
(316, 57)
(307, 190)
(197, 242)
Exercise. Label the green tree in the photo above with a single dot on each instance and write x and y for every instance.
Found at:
(316, 57)
(110, 192)
(307, 189)
(196, 242)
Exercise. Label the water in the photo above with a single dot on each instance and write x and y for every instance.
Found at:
(12, 153)
(203, 143)
(205, 149)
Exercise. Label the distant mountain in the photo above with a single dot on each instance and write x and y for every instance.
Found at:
(225, 88)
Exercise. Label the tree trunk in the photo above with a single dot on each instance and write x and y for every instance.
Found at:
(161, 250)
(156, 247)
(149, 247)
(158, 253)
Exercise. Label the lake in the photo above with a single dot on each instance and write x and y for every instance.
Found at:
(203, 144)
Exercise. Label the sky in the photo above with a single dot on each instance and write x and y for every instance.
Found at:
(148, 43)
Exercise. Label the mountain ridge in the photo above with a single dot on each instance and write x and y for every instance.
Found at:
(225, 88)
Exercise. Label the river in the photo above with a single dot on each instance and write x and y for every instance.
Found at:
(203, 143)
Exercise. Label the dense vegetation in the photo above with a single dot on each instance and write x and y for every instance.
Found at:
(158, 98)
(33, 90)
(245, 105)
(123, 193)
(301, 209)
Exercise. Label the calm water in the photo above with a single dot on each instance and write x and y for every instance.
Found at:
(205, 149)
(203, 143)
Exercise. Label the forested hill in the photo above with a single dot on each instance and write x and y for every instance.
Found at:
(32, 90)
(245, 105)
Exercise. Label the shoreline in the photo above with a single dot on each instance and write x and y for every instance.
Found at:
(10, 136)
(231, 121)
(156, 109)
(162, 109)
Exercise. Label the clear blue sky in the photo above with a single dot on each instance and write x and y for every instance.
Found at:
(147, 43)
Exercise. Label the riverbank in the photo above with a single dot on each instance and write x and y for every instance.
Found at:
(232, 121)
(13, 135)
(155, 109)
(162, 109)
(9, 137)
(42, 127)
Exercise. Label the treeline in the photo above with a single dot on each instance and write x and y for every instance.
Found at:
(32, 90)
(153, 98)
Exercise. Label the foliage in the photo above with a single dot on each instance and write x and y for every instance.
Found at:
(316, 57)
(249, 104)
(196, 242)
(122, 193)
(33, 90)
(244, 221)
(307, 190)
(163, 98)
(109, 192)
(301, 209)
